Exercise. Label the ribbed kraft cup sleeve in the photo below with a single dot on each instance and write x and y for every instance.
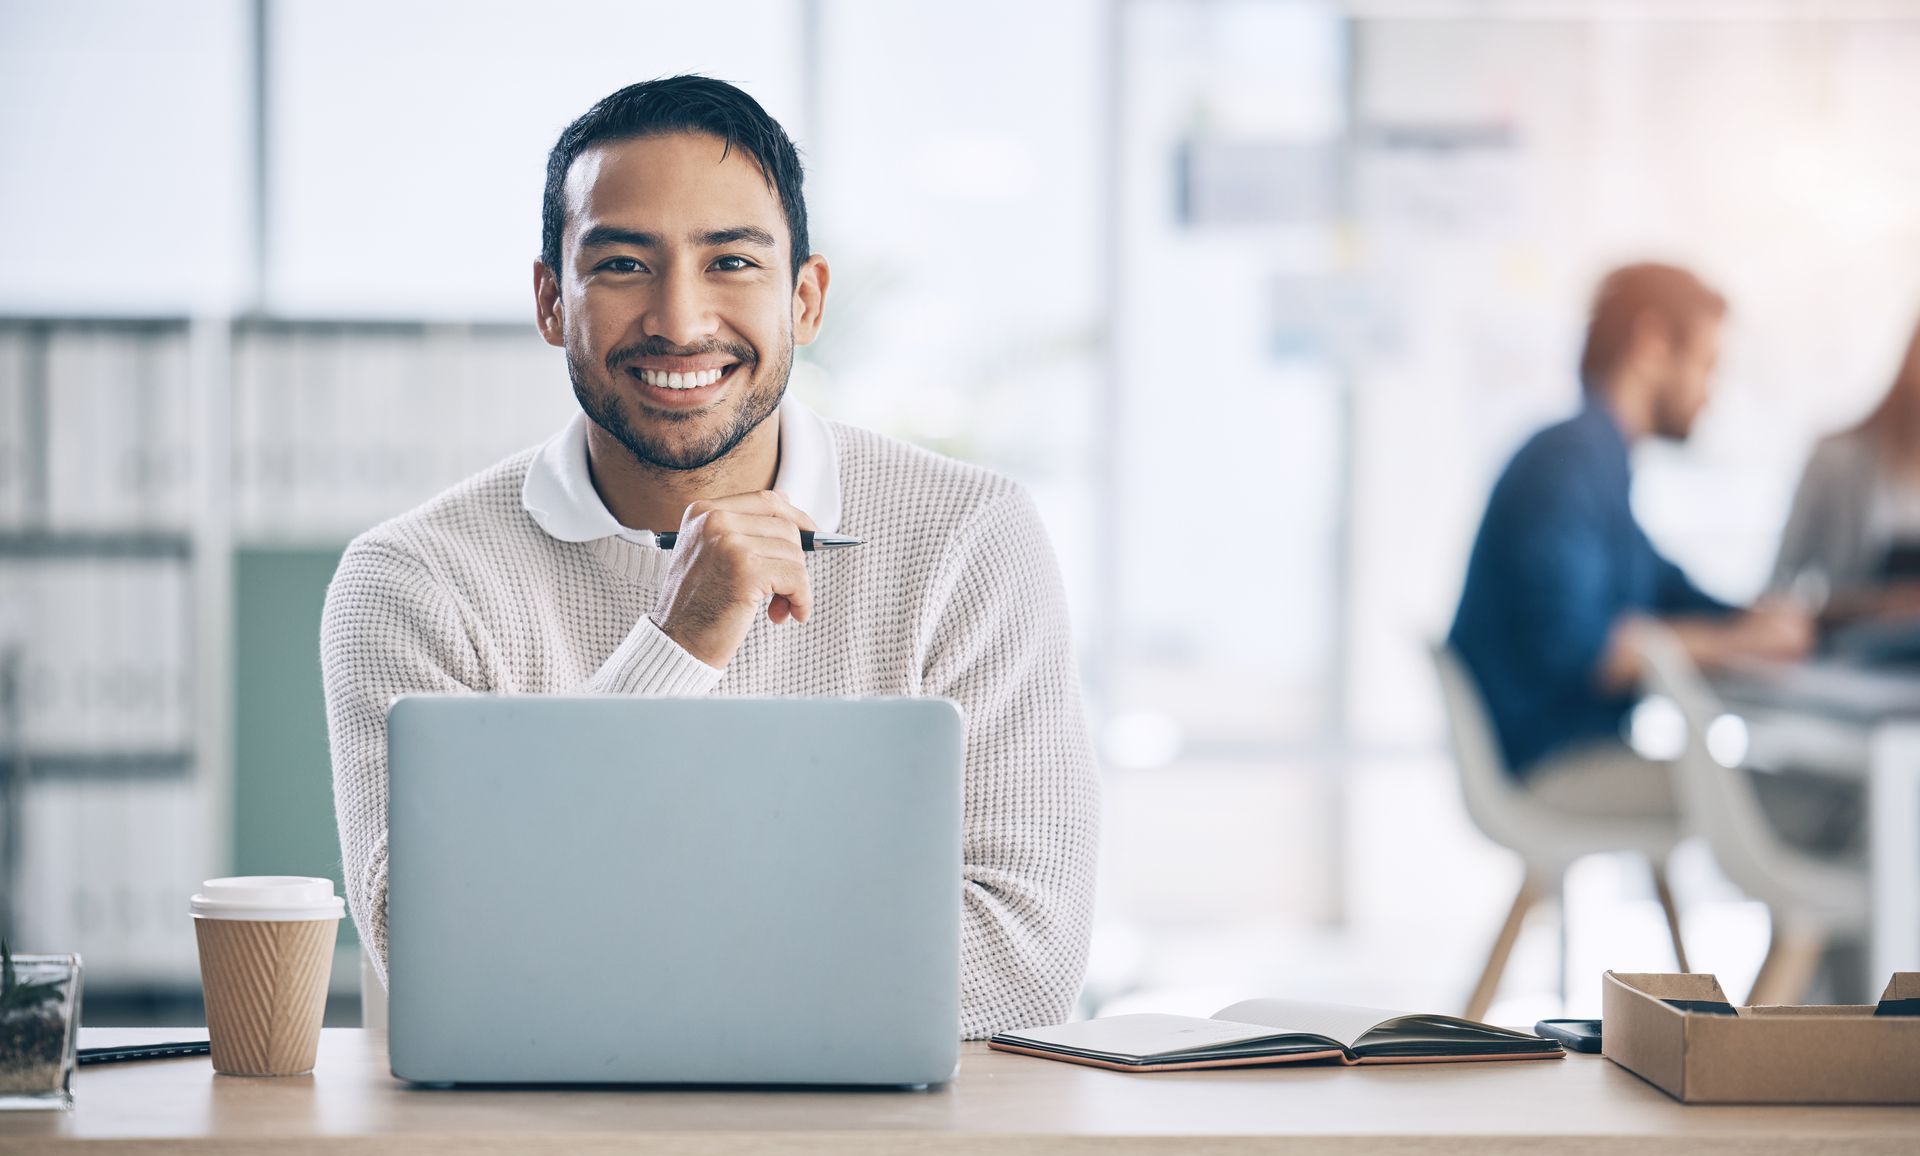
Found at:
(266, 990)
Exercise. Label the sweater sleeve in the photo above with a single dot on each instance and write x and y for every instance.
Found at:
(391, 627)
(1000, 647)
(648, 662)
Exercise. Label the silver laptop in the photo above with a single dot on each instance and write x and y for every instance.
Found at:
(670, 890)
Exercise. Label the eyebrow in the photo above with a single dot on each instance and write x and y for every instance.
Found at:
(738, 235)
(603, 236)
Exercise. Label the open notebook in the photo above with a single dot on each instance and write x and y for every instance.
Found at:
(1273, 1031)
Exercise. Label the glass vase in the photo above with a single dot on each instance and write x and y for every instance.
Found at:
(38, 1035)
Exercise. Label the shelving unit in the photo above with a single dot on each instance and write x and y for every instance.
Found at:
(99, 563)
(173, 494)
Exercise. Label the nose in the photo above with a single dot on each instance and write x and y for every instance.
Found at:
(679, 311)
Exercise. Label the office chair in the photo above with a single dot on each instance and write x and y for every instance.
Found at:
(1812, 901)
(1548, 841)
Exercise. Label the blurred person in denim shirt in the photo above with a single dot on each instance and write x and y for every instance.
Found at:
(1562, 575)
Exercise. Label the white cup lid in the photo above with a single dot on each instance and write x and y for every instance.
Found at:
(279, 897)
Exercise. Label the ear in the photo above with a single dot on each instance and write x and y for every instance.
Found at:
(809, 299)
(548, 316)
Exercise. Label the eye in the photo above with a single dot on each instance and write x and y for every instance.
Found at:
(621, 265)
(732, 264)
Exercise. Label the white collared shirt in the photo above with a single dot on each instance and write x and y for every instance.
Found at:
(559, 495)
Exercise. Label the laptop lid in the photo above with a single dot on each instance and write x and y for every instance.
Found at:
(711, 890)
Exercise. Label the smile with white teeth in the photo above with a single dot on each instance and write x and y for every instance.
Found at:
(661, 379)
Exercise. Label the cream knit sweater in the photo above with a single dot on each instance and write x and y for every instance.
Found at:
(955, 593)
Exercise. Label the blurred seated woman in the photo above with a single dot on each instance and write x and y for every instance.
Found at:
(1852, 542)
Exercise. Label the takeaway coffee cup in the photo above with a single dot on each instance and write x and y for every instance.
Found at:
(266, 950)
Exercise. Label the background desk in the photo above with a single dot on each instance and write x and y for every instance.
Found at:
(1872, 719)
(1005, 1105)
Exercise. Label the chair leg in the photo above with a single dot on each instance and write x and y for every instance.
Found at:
(1793, 956)
(1665, 893)
(1483, 991)
(1563, 944)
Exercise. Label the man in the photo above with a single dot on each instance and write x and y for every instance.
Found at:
(1562, 575)
(675, 273)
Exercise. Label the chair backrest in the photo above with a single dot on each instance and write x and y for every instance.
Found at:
(1717, 802)
(1490, 791)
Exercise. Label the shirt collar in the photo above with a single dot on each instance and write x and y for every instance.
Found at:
(1599, 418)
(559, 495)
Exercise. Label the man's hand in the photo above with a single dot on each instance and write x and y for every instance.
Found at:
(1775, 628)
(1896, 601)
(733, 556)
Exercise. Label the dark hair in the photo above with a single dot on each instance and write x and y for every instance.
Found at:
(1666, 292)
(697, 104)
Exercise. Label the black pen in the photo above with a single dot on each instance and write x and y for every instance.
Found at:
(143, 1052)
(808, 540)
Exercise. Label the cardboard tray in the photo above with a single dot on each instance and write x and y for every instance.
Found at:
(1681, 1034)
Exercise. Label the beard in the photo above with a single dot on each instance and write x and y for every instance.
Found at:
(606, 406)
(1673, 419)
(1675, 430)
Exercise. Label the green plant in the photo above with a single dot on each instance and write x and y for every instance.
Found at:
(14, 994)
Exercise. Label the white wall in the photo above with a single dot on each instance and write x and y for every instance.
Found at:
(123, 131)
(408, 142)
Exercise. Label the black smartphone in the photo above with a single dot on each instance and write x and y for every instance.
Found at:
(1580, 1035)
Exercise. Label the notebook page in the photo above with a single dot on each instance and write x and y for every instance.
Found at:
(1144, 1034)
(1334, 1020)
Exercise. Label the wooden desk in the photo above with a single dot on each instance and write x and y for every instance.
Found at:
(1005, 1105)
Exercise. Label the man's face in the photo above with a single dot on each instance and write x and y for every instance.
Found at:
(675, 303)
(1688, 378)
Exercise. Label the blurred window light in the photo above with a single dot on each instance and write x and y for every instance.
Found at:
(123, 136)
(422, 146)
(1273, 70)
(1656, 729)
(1141, 741)
(1727, 740)
(992, 168)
